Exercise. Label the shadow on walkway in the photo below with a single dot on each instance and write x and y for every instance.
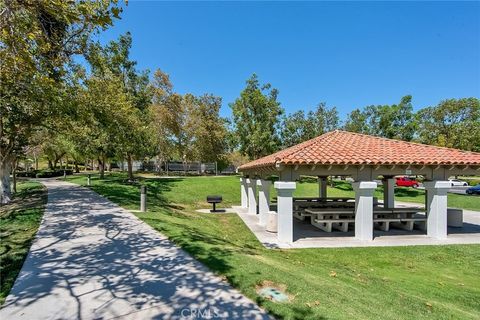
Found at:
(92, 259)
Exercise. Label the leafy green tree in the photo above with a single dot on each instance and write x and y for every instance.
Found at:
(256, 115)
(114, 59)
(299, 127)
(389, 121)
(208, 128)
(186, 127)
(452, 123)
(108, 117)
(164, 110)
(37, 41)
(294, 129)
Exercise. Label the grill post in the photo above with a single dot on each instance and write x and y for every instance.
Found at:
(143, 198)
(89, 177)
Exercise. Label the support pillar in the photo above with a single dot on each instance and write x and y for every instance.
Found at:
(285, 210)
(322, 187)
(436, 205)
(252, 196)
(243, 193)
(388, 192)
(364, 191)
(263, 200)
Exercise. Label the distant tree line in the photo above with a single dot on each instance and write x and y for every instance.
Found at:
(261, 127)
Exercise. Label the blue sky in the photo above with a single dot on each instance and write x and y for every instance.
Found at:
(348, 54)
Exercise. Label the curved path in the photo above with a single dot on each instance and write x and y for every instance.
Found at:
(94, 260)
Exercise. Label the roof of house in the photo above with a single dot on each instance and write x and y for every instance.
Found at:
(348, 148)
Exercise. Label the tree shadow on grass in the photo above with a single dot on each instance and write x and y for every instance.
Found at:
(212, 250)
(125, 193)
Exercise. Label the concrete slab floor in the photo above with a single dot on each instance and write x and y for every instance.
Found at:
(307, 236)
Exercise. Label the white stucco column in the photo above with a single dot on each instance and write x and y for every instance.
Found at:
(285, 210)
(364, 209)
(263, 200)
(252, 195)
(243, 193)
(436, 205)
(388, 192)
(322, 187)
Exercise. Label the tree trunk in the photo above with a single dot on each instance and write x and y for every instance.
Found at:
(14, 174)
(77, 169)
(6, 193)
(130, 167)
(101, 167)
(50, 164)
(36, 161)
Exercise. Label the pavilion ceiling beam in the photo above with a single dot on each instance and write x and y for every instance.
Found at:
(377, 167)
(329, 167)
(393, 167)
(466, 167)
(313, 167)
(346, 167)
(296, 167)
(362, 167)
(436, 168)
(451, 168)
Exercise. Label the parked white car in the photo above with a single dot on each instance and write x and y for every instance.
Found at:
(457, 183)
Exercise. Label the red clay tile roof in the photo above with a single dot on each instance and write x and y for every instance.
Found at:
(342, 148)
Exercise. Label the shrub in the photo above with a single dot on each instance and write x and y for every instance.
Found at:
(44, 173)
(473, 182)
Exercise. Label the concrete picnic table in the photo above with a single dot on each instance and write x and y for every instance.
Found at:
(340, 218)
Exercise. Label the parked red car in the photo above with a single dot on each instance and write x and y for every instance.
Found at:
(406, 182)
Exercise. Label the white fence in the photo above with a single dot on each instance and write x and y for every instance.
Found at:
(178, 167)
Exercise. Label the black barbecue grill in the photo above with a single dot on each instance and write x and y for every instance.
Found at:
(214, 200)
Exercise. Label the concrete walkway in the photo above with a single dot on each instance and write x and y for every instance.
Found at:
(93, 260)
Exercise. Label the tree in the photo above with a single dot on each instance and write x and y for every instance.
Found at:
(165, 106)
(114, 59)
(389, 121)
(108, 117)
(299, 127)
(186, 127)
(37, 41)
(207, 128)
(256, 116)
(453, 123)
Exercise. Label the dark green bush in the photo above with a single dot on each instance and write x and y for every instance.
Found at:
(44, 173)
(473, 182)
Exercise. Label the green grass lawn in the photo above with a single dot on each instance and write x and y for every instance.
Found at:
(19, 221)
(422, 282)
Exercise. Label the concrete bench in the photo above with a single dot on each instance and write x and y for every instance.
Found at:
(327, 224)
(402, 223)
(300, 207)
(338, 218)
